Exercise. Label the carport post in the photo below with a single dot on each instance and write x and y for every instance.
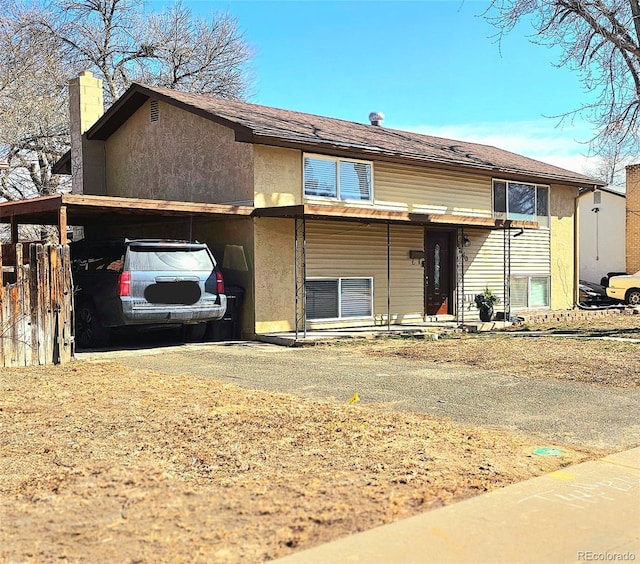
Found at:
(14, 230)
(62, 224)
(388, 279)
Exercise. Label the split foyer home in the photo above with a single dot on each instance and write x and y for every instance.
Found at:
(349, 223)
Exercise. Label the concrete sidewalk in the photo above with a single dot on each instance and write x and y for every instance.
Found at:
(582, 513)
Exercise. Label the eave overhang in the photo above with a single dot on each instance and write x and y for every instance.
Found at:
(484, 168)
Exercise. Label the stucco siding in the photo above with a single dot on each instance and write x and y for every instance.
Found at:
(181, 156)
(278, 176)
(274, 294)
(221, 235)
(563, 245)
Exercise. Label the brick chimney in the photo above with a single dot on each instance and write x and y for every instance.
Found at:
(633, 218)
(86, 106)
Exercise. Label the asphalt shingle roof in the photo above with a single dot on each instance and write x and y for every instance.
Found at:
(267, 125)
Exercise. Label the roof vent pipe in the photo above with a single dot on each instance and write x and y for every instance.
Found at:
(376, 117)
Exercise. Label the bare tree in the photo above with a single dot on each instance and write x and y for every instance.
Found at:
(33, 128)
(46, 42)
(196, 55)
(601, 40)
(611, 164)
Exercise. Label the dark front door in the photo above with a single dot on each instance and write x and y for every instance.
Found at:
(437, 272)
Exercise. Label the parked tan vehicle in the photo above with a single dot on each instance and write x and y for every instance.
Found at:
(625, 288)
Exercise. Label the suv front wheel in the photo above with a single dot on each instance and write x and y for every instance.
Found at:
(89, 330)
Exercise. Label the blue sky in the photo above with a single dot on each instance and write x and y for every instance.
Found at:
(430, 66)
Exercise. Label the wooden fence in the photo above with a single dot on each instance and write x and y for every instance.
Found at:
(36, 303)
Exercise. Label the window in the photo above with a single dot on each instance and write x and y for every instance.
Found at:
(530, 292)
(339, 298)
(338, 179)
(154, 259)
(515, 200)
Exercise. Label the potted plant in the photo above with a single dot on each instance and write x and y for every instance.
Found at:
(485, 303)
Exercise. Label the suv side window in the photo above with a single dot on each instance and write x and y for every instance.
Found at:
(100, 260)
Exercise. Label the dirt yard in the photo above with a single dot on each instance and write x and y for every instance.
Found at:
(102, 463)
(593, 361)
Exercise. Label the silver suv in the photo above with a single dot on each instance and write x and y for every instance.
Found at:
(144, 282)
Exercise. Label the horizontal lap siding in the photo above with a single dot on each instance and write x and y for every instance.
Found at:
(531, 253)
(407, 276)
(484, 264)
(336, 249)
(484, 267)
(431, 191)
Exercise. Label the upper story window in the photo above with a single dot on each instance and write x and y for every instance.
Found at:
(337, 179)
(517, 200)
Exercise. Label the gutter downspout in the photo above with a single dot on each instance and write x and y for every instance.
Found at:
(576, 250)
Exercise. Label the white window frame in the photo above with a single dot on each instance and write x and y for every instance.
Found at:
(543, 220)
(528, 278)
(339, 279)
(337, 161)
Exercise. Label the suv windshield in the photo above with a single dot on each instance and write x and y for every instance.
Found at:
(169, 259)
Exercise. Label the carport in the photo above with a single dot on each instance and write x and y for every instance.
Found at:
(63, 210)
(36, 291)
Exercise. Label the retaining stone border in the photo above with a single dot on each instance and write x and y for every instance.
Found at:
(574, 314)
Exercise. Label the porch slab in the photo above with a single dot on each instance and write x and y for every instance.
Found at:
(427, 330)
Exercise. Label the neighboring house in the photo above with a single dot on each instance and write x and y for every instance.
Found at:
(633, 219)
(352, 224)
(602, 232)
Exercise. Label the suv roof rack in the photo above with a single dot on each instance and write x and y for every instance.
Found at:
(127, 240)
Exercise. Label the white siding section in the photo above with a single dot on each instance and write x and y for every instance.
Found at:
(431, 191)
(602, 235)
(350, 249)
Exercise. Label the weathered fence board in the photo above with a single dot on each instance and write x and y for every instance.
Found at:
(36, 297)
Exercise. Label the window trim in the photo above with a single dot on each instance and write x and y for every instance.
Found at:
(505, 215)
(528, 278)
(339, 279)
(336, 160)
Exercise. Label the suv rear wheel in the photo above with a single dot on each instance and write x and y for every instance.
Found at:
(89, 330)
(194, 333)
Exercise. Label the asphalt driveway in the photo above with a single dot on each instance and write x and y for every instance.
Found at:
(559, 411)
